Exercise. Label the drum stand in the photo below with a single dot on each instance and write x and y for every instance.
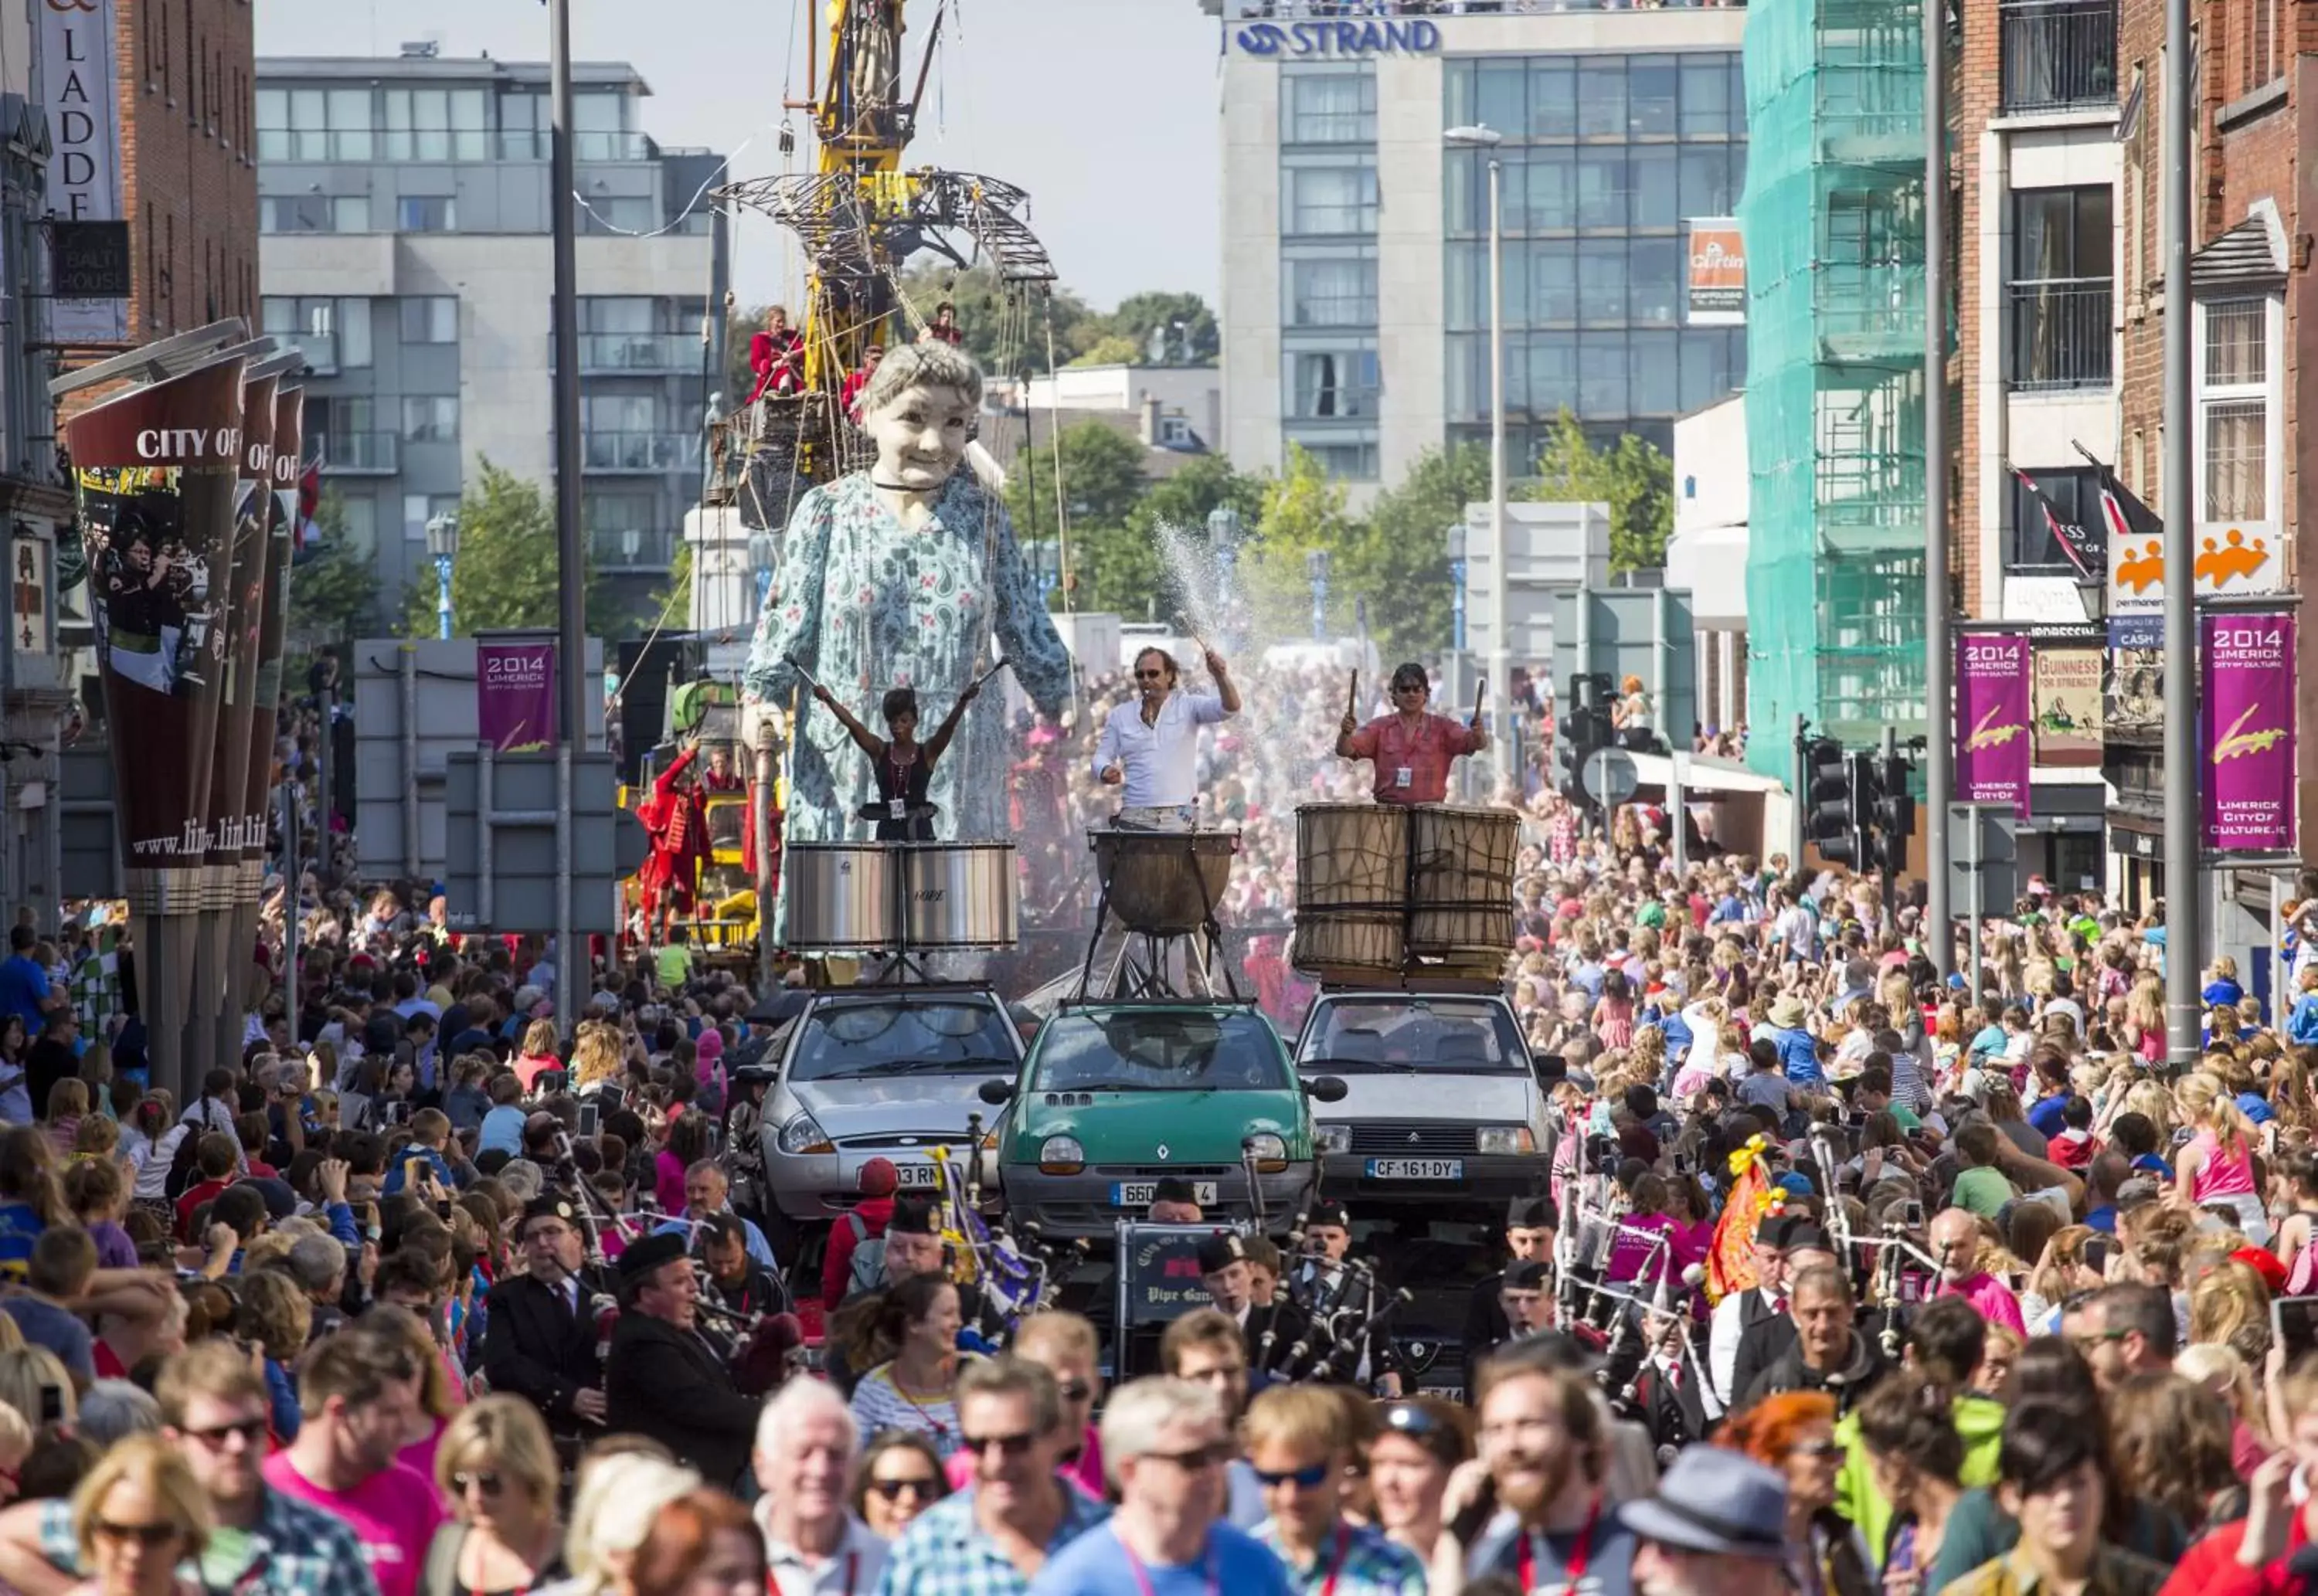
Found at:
(1153, 978)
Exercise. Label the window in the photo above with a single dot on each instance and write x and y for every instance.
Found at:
(334, 333)
(1328, 108)
(1344, 462)
(430, 418)
(1601, 188)
(2260, 65)
(353, 333)
(619, 413)
(1341, 292)
(2075, 495)
(2235, 398)
(314, 124)
(599, 128)
(609, 313)
(523, 126)
(428, 124)
(313, 213)
(1333, 384)
(426, 214)
(2062, 287)
(1331, 199)
(618, 215)
(418, 508)
(1651, 96)
(360, 513)
(430, 318)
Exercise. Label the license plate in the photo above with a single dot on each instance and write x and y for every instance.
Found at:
(916, 1175)
(1416, 1169)
(1138, 1194)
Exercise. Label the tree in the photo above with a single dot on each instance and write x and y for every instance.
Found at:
(1112, 349)
(334, 589)
(1102, 481)
(1303, 510)
(737, 379)
(506, 572)
(1189, 336)
(1630, 476)
(1400, 555)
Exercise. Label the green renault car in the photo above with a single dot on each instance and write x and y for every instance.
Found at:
(1114, 1096)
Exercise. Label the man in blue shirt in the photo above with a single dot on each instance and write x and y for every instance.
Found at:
(1795, 1044)
(24, 983)
(705, 1189)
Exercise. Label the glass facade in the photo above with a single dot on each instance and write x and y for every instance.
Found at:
(1606, 160)
(1332, 383)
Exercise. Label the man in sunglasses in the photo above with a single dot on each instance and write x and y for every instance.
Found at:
(1007, 1529)
(1300, 1442)
(265, 1542)
(1413, 747)
(1149, 748)
(806, 1444)
(1165, 1442)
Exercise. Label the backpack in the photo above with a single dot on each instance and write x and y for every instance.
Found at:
(868, 1272)
(184, 1165)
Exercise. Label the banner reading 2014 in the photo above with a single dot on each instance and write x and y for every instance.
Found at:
(2246, 740)
(1994, 756)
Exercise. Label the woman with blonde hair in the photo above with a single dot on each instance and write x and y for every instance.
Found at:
(2229, 1306)
(539, 1053)
(497, 1468)
(598, 1056)
(620, 1494)
(2145, 1017)
(2216, 1366)
(2218, 1168)
(2169, 1441)
(2064, 1269)
(35, 1382)
(137, 1516)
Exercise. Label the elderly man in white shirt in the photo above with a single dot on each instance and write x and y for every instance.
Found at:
(806, 1447)
(1150, 748)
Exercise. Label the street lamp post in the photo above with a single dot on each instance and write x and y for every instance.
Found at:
(1500, 666)
(1315, 568)
(442, 544)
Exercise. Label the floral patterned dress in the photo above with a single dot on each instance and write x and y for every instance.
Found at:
(867, 605)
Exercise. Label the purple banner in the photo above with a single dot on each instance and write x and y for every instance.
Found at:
(1993, 749)
(515, 693)
(2246, 737)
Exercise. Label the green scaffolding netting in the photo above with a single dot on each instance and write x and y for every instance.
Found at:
(1833, 223)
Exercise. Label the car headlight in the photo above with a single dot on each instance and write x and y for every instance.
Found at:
(801, 1135)
(1331, 1138)
(1270, 1152)
(1504, 1139)
(1061, 1155)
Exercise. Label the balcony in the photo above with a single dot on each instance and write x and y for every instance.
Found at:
(2060, 334)
(359, 453)
(634, 548)
(635, 352)
(2058, 55)
(645, 453)
(319, 351)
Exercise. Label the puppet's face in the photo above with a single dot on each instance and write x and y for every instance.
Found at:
(921, 436)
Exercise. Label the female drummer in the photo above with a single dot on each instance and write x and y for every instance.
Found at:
(903, 769)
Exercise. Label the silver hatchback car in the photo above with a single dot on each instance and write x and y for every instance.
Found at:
(876, 1072)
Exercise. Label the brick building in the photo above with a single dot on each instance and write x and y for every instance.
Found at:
(188, 161)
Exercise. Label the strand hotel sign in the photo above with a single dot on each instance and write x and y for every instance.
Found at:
(1375, 36)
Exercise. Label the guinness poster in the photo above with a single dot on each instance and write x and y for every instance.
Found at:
(154, 470)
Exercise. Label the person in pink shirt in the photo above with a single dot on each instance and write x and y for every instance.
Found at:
(1955, 1242)
(359, 1390)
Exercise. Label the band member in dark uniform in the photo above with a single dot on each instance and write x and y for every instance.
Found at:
(733, 1281)
(1763, 1340)
(664, 1381)
(903, 813)
(1271, 1333)
(1341, 1296)
(1671, 1396)
(542, 1338)
(1531, 1223)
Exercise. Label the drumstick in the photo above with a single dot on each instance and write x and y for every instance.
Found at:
(1479, 688)
(798, 665)
(1353, 693)
(992, 671)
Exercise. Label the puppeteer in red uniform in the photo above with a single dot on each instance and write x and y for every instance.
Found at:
(676, 820)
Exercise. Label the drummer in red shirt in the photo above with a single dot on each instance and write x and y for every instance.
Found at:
(1412, 747)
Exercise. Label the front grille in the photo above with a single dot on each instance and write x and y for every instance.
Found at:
(1410, 1141)
(1155, 1169)
(918, 1141)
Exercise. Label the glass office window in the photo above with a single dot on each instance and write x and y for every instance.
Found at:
(1601, 188)
(1602, 281)
(1327, 108)
(1553, 98)
(1336, 292)
(1601, 101)
(1650, 176)
(1652, 93)
(1553, 283)
(1654, 283)
(430, 318)
(1331, 200)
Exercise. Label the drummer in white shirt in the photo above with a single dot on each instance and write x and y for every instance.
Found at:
(1150, 747)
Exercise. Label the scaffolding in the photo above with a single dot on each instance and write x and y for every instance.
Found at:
(1835, 378)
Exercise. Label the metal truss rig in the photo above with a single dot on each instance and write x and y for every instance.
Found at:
(855, 226)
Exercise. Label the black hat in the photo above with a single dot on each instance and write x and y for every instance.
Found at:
(1529, 1275)
(1804, 1231)
(548, 1205)
(649, 1253)
(1174, 1188)
(1220, 1251)
(913, 1216)
(1532, 1212)
(1776, 1228)
(1330, 1213)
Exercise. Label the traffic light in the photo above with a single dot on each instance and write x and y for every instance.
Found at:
(1827, 801)
(1894, 812)
(1585, 728)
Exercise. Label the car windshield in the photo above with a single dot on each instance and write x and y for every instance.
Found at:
(897, 1036)
(1159, 1051)
(1460, 1036)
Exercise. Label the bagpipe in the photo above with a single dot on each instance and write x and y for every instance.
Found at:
(1013, 1276)
(1339, 1325)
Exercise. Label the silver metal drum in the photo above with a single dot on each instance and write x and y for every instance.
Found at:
(840, 896)
(958, 895)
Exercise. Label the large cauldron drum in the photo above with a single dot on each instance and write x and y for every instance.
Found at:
(1163, 887)
(1386, 890)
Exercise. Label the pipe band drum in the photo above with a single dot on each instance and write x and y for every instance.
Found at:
(1164, 884)
(1460, 882)
(840, 896)
(1351, 885)
(957, 896)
